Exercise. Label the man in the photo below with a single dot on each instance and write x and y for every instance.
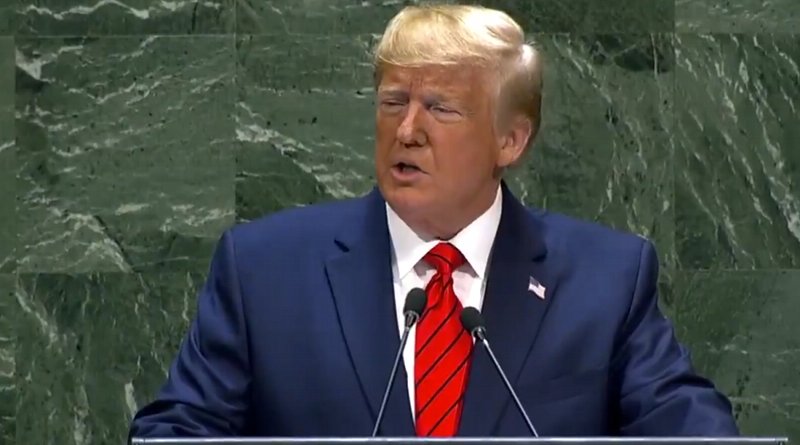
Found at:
(301, 315)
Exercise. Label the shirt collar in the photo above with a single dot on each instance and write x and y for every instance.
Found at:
(474, 241)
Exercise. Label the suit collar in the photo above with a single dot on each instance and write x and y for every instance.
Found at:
(513, 314)
(366, 222)
(360, 278)
(525, 225)
(369, 222)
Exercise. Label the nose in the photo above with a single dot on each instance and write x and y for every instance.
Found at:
(411, 132)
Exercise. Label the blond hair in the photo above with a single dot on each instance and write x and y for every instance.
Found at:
(456, 34)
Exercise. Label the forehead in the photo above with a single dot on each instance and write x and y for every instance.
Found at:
(450, 81)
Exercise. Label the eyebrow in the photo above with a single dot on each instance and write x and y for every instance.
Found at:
(403, 95)
(394, 93)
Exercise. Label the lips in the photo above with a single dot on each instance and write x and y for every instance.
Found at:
(406, 167)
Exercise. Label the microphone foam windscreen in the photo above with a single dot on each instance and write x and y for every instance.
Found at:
(471, 319)
(416, 301)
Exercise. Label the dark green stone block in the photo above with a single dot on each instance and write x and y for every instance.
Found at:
(8, 17)
(137, 17)
(125, 152)
(8, 341)
(305, 121)
(288, 17)
(97, 347)
(737, 16)
(743, 329)
(737, 164)
(604, 152)
(588, 16)
(304, 63)
(8, 168)
(267, 182)
(349, 17)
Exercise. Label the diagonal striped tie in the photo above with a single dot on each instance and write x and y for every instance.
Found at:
(443, 349)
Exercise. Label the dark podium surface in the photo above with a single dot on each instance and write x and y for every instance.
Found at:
(471, 441)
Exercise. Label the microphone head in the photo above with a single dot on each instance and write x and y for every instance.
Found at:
(415, 302)
(472, 320)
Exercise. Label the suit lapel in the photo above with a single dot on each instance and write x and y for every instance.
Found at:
(361, 282)
(512, 313)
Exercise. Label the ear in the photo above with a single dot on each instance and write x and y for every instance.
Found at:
(514, 140)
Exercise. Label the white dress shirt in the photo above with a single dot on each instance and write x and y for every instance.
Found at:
(409, 270)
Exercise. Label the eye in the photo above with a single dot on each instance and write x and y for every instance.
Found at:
(440, 109)
(445, 114)
(391, 104)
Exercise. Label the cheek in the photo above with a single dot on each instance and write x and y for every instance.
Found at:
(384, 137)
(465, 153)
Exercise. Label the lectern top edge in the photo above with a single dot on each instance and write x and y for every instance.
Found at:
(464, 441)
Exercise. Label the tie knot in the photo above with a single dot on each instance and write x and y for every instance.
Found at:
(445, 257)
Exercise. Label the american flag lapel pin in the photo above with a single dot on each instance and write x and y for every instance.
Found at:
(536, 287)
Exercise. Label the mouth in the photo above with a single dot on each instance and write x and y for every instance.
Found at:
(407, 173)
(405, 167)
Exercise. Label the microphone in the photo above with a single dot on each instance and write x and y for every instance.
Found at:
(414, 306)
(473, 323)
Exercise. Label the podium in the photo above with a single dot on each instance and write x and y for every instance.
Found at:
(470, 441)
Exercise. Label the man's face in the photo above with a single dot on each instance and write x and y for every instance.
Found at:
(437, 155)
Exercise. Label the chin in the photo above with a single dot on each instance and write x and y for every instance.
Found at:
(406, 201)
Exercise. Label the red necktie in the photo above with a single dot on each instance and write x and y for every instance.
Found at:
(442, 350)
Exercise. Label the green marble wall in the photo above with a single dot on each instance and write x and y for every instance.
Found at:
(133, 132)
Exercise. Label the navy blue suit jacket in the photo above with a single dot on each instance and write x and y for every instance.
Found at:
(296, 333)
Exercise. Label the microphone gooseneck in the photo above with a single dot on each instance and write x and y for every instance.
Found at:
(472, 321)
(416, 300)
